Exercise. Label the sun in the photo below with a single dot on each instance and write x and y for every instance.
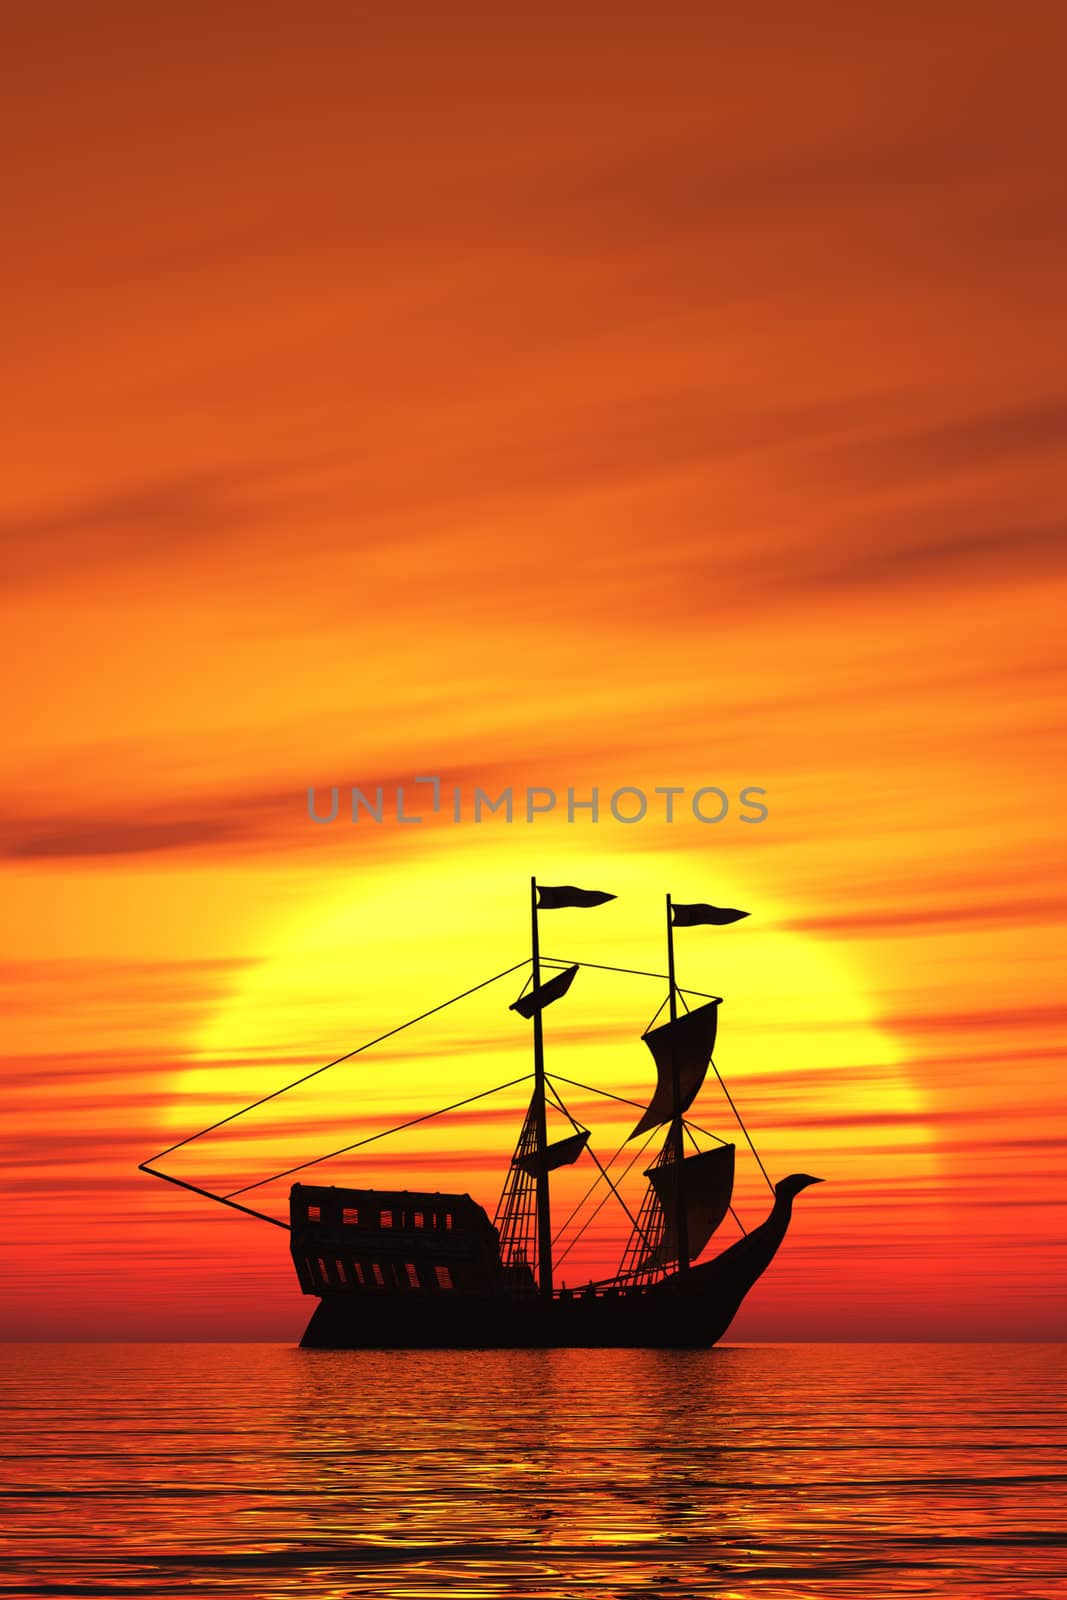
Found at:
(811, 1070)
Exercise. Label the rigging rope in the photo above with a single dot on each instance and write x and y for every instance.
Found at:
(655, 1019)
(639, 1154)
(611, 1162)
(230, 1199)
(373, 1137)
(637, 1105)
(606, 1179)
(632, 972)
(741, 1125)
(254, 1106)
(180, 1183)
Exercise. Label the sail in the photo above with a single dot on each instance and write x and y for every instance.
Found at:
(545, 993)
(562, 1153)
(709, 1184)
(687, 1042)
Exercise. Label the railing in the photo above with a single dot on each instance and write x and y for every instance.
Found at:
(623, 1287)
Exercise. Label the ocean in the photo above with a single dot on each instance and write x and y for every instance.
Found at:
(781, 1471)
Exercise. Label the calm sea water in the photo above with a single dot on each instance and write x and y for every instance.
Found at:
(256, 1470)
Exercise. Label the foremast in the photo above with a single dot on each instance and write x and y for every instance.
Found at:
(688, 1195)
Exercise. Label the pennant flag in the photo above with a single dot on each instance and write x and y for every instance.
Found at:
(690, 916)
(558, 899)
(539, 998)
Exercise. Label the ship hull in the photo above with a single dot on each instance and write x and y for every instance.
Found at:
(682, 1311)
(672, 1314)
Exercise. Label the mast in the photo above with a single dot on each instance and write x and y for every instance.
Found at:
(539, 1157)
(677, 1132)
(544, 1215)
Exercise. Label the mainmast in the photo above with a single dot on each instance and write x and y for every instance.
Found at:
(544, 1211)
(677, 1128)
(536, 1158)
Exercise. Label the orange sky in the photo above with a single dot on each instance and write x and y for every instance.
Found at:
(616, 396)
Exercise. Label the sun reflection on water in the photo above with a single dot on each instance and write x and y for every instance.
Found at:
(258, 1471)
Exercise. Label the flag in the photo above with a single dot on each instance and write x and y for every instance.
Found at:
(561, 1154)
(558, 899)
(689, 916)
(543, 996)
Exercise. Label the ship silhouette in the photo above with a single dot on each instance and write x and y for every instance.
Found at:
(406, 1269)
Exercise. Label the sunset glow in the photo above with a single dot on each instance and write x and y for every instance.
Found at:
(533, 405)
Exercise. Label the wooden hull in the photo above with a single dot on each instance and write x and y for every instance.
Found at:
(682, 1314)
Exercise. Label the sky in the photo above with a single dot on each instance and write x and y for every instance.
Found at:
(570, 398)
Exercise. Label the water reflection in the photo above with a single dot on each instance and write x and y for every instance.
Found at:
(791, 1471)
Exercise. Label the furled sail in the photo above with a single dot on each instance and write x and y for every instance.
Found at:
(687, 1043)
(545, 993)
(709, 1184)
(559, 1154)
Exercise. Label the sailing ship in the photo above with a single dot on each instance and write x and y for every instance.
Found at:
(404, 1269)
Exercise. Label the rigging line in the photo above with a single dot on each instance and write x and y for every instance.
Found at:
(659, 1008)
(578, 1207)
(707, 1133)
(233, 1115)
(633, 972)
(593, 1186)
(598, 1208)
(579, 1127)
(223, 1200)
(731, 1210)
(499, 1214)
(637, 1156)
(607, 1095)
(596, 1180)
(614, 1191)
(371, 1138)
(741, 1125)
